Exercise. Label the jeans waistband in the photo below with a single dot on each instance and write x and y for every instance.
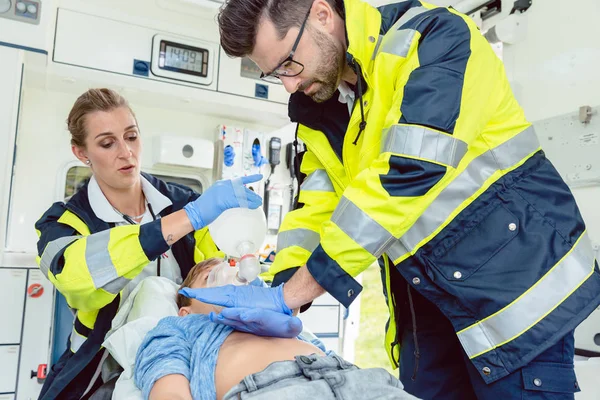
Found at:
(311, 367)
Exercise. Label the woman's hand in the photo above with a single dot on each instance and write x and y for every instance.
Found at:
(222, 196)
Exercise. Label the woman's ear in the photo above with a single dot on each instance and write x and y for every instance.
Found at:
(183, 311)
(80, 153)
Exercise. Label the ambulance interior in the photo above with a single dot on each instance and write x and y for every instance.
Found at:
(51, 51)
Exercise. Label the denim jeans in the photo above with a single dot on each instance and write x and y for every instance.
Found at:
(318, 377)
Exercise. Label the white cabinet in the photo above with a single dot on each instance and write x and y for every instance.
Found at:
(122, 48)
(25, 330)
(9, 360)
(35, 344)
(12, 298)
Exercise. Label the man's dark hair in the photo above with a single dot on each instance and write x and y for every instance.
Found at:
(239, 19)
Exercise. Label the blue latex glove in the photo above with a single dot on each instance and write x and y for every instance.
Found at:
(222, 196)
(228, 155)
(259, 160)
(259, 322)
(248, 296)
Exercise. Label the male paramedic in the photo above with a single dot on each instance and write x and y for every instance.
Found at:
(420, 157)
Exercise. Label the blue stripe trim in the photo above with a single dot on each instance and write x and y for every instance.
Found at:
(330, 117)
(284, 276)
(390, 13)
(26, 48)
(432, 95)
(152, 241)
(81, 328)
(330, 275)
(411, 178)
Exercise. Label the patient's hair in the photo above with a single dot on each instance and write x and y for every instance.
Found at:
(183, 301)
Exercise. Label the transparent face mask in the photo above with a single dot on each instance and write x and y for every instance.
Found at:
(225, 273)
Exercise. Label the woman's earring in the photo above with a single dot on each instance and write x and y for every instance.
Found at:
(87, 162)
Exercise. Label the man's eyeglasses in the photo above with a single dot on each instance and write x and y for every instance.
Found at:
(287, 67)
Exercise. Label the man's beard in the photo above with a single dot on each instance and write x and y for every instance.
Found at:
(329, 70)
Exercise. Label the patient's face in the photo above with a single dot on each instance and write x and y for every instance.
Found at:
(198, 307)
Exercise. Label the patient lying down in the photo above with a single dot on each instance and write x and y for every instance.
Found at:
(190, 357)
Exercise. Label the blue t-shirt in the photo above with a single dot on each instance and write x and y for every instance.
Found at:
(181, 345)
(188, 346)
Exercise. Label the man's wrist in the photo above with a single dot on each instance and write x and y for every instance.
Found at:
(285, 305)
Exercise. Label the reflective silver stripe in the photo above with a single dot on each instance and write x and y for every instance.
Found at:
(379, 39)
(52, 249)
(305, 238)
(541, 299)
(424, 143)
(97, 257)
(464, 186)
(408, 15)
(361, 228)
(117, 285)
(76, 340)
(397, 41)
(396, 250)
(318, 180)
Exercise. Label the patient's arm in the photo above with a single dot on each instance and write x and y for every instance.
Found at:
(164, 356)
(171, 387)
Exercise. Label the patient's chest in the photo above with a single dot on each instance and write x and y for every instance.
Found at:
(243, 354)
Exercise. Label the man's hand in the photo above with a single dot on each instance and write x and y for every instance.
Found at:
(252, 309)
(248, 296)
(259, 322)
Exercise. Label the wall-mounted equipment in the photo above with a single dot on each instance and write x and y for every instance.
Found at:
(28, 11)
(183, 59)
(183, 152)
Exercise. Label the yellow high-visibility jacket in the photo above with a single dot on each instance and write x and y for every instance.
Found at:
(90, 262)
(446, 183)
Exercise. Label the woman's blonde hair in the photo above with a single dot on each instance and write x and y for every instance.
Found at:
(91, 101)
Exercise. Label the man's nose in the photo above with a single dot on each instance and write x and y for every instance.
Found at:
(290, 83)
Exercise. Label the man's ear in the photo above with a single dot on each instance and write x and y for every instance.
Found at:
(183, 311)
(324, 14)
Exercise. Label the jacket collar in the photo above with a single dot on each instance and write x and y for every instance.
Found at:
(105, 211)
(80, 204)
(363, 23)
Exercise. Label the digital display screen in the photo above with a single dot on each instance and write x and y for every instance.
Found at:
(182, 58)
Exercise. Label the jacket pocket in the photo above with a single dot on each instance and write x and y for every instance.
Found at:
(545, 380)
(461, 253)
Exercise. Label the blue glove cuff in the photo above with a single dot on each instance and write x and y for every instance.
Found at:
(284, 307)
(194, 216)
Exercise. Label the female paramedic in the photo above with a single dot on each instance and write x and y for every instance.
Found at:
(121, 227)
